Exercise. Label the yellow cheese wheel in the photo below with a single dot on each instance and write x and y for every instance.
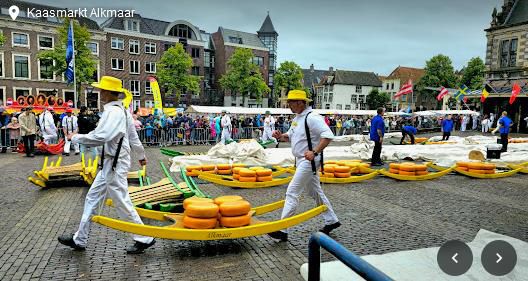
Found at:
(247, 173)
(475, 166)
(196, 200)
(353, 164)
(227, 198)
(236, 176)
(210, 172)
(329, 175)
(235, 221)
(421, 173)
(247, 179)
(265, 178)
(256, 168)
(224, 172)
(463, 168)
(192, 168)
(394, 171)
(264, 172)
(342, 169)
(223, 167)
(407, 173)
(235, 208)
(407, 168)
(197, 223)
(321, 174)
(489, 171)
(462, 164)
(341, 175)
(488, 166)
(420, 167)
(329, 169)
(477, 171)
(394, 166)
(236, 170)
(191, 174)
(330, 162)
(202, 210)
(239, 165)
(208, 167)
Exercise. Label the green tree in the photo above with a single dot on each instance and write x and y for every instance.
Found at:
(473, 73)
(439, 72)
(2, 39)
(173, 72)
(243, 76)
(85, 64)
(377, 99)
(288, 77)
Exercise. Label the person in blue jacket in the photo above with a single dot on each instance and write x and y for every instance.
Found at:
(377, 131)
(447, 127)
(504, 129)
(410, 131)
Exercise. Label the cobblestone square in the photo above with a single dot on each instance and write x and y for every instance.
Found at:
(379, 216)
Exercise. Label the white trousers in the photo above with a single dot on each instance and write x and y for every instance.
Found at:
(111, 185)
(304, 178)
(463, 127)
(67, 146)
(49, 138)
(267, 135)
(226, 135)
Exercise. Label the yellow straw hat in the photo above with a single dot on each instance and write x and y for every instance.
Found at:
(110, 83)
(298, 95)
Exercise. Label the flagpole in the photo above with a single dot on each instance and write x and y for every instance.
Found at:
(74, 74)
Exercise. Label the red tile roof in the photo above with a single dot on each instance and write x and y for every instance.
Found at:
(405, 73)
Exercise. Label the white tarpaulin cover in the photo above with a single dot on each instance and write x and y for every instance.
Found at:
(274, 111)
(422, 263)
(442, 154)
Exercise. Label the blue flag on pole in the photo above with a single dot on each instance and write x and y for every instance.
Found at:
(69, 73)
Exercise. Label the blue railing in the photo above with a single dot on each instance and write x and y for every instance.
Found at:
(358, 265)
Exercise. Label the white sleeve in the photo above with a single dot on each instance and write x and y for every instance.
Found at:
(135, 144)
(110, 126)
(318, 126)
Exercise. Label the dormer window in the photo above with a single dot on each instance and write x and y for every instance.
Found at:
(132, 25)
(234, 39)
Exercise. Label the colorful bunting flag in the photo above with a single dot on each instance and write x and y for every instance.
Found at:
(485, 92)
(515, 91)
(442, 93)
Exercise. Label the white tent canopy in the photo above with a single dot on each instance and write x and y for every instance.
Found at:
(446, 112)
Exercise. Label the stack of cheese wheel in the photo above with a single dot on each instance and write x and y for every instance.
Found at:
(236, 172)
(210, 169)
(364, 168)
(463, 166)
(200, 213)
(394, 168)
(247, 175)
(481, 168)
(421, 169)
(223, 169)
(329, 169)
(234, 211)
(407, 169)
(190, 170)
(342, 171)
(264, 174)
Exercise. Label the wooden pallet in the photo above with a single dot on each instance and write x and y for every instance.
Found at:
(161, 191)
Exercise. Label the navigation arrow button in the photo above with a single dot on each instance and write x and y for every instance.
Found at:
(454, 258)
(500, 258)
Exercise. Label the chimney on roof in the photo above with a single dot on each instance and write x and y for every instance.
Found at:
(311, 68)
(331, 69)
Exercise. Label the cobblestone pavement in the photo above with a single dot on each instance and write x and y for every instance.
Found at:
(379, 216)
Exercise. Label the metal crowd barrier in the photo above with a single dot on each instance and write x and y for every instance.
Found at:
(357, 264)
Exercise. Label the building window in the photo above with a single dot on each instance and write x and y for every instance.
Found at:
(149, 103)
(20, 39)
(150, 67)
(327, 106)
(183, 31)
(392, 86)
(387, 86)
(258, 61)
(339, 106)
(325, 97)
(45, 42)
(347, 107)
(132, 25)
(21, 66)
(234, 39)
(330, 97)
(134, 67)
(358, 89)
(134, 87)
(136, 104)
(195, 70)
(1, 33)
(150, 48)
(45, 69)
(508, 53)
(118, 64)
(94, 47)
(133, 47)
(118, 43)
(148, 88)
(195, 52)
(21, 92)
(1, 65)
(95, 75)
(353, 99)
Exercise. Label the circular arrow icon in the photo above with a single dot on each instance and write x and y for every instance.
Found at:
(454, 257)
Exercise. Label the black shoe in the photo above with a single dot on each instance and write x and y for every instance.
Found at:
(66, 154)
(77, 153)
(329, 227)
(4, 150)
(31, 155)
(282, 236)
(67, 239)
(139, 247)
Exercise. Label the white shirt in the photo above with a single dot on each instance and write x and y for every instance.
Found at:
(70, 123)
(296, 133)
(111, 127)
(269, 122)
(225, 122)
(47, 124)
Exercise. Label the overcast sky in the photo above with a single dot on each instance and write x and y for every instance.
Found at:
(361, 35)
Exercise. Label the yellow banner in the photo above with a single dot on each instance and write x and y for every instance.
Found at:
(156, 93)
